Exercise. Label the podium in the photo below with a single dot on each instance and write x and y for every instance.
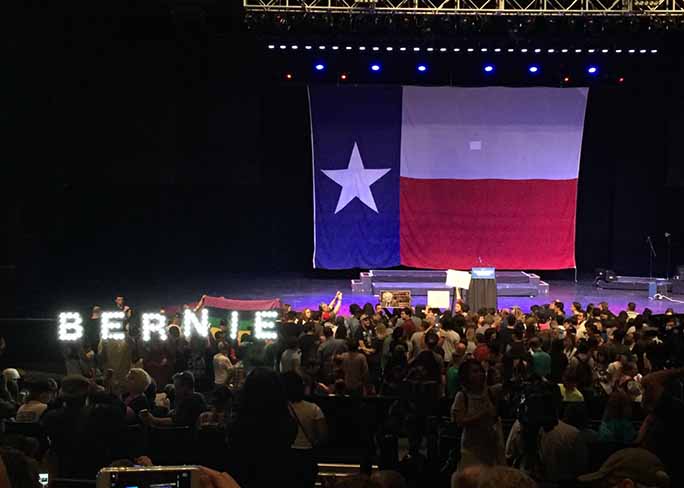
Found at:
(482, 292)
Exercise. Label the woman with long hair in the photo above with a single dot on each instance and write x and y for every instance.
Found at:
(474, 410)
(263, 431)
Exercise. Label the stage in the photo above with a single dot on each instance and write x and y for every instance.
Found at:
(149, 292)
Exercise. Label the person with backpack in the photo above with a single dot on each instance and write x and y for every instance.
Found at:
(474, 410)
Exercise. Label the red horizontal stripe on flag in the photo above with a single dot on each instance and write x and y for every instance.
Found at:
(509, 224)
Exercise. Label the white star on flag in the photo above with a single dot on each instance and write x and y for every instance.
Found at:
(356, 181)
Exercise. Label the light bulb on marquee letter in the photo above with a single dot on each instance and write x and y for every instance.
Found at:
(70, 326)
(201, 325)
(265, 329)
(153, 322)
(234, 325)
(111, 326)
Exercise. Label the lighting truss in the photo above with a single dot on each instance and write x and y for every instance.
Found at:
(482, 7)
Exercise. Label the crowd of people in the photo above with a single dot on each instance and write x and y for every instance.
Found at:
(545, 371)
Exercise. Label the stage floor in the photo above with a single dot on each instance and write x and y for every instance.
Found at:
(148, 293)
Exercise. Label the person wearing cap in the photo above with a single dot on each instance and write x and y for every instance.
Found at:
(633, 467)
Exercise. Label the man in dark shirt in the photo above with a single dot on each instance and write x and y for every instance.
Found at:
(189, 404)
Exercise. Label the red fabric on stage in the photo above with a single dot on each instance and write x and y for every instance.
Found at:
(508, 224)
(244, 305)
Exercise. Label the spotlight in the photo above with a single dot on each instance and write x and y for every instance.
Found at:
(294, 47)
(618, 51)
(389, 48)
(592, 70)
(442, 49)
(319, 67)
(591, 51)
(470, 49)
(642, 51)
(510, 50)
(335, 48)
(308, 48)
(566, 79)
(322, 48)
(402, 49)
(421, 68)
(416, 49)
(375, 67)
(533, 69)
(551, 51)
(282, 46)
(288, 76)
(654, 51)
(376, 48)
(537, 50)
(484, 50)
(621, 80)
(430, 49)
(631, 51)
(564, 51)
(604, 51)
(488, 68)
(348, 48)
(343, 77)
(523, 50)
(457, 49)
(497, 50)
(578, 51)
(362, 48)
(271, 46)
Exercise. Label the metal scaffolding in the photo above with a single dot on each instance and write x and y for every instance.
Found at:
(483, 7)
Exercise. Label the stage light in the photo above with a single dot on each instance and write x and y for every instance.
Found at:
(343, 77)
(442, 49)
(389, 48)
(430, 49)
(551, 51)
(537, 50)
(497, 50)
(347, 48)
(294, 47)
(402, 48)
(362, 48)
(70, 326)
(578, 51)
(591, 51)
(375, 48)
(335, 48)
(271, 46)
(416, 49)
(654, 51)
(564, 51)
(642, 51)
(488, 68)
(322, 48)
(533, 69)
(604, 51)
(566, 79)
(510, 50)
(308, 48)
(631, 51)
(621, 80)
(111, 326)
(283, 46)
(592, 70)
(153, 322)
(523, 50)
(375, 67)
(484, 50)
(470, 49)
(618, 51)
(190, 321)
(422, 68)
(319, 67)
(457, 49)
(288, 76)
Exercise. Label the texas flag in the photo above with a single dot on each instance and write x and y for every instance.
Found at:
(444, 177)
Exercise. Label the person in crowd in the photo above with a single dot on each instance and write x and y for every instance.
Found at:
(568, 387)
(40, 395)
(291, 359)
(328, 311)
(311, 429)
(616, 425)
(559, 361)
(222, 365)
(189, 404)
(629, 468)
(453, 385)
(541, 360)
(137, 382)
(263, 429)
(354, 366)
(408, 321)
(332, 347)
(474, 410)
(215, 418)
(577, 415)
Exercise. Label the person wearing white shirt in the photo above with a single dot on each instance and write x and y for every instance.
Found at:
(222, 365)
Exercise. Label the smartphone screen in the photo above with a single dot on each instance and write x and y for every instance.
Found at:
(151, 479)
(43, 479)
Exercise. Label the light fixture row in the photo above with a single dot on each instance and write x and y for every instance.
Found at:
(524, 50)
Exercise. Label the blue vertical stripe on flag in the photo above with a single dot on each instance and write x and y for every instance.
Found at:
(356, 139)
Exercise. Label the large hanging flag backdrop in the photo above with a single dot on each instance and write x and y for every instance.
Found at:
(444, 177)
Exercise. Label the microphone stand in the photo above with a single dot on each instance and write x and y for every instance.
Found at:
(668, 240)
(651, 255)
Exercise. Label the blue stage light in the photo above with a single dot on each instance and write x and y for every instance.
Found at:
(533, 69)
(319, 66)
(592, 70)
(375, 67)
(489, 68)
(422, 68)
